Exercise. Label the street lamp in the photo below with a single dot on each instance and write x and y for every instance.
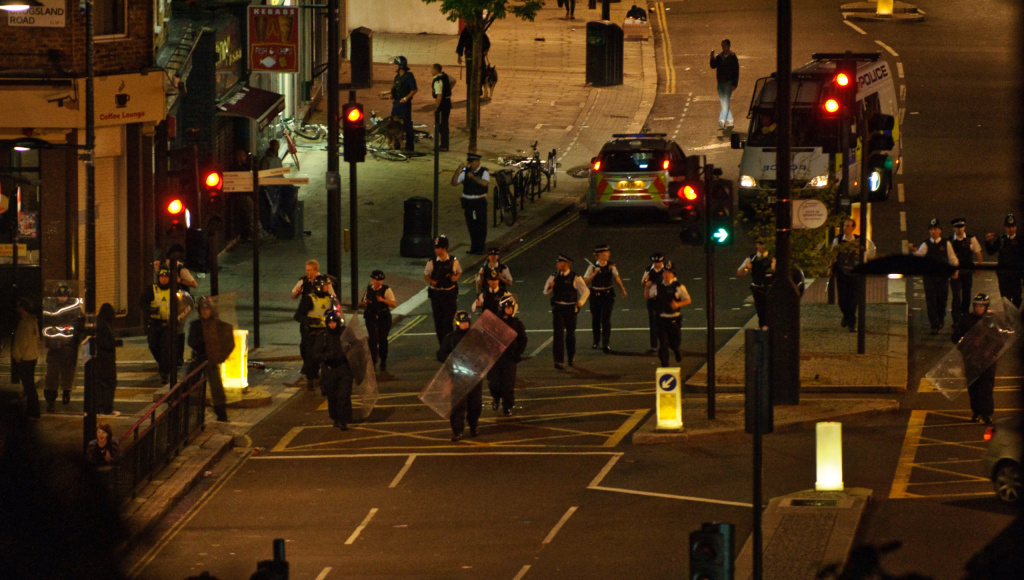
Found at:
(19, 5)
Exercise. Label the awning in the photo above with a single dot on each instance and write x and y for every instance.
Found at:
(257, 104)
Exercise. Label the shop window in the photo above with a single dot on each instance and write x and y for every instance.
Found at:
(108, 17)
(19, 210)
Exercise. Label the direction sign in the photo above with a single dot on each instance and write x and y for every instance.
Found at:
(285, 181)
(275, 171)
(237, 181)
(809, 214)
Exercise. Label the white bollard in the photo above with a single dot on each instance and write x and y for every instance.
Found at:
(669, 398)
(830, 456)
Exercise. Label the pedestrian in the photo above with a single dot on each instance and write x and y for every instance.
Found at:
(968, 253)
(1010, 261)
(501, 379)
(570, 8)
(272, 160)
(652, 277)
(601, 276)
(981, 388)
(474, 180)
(467, 409)
(727, 74)
(310, 316)
(103, 364)
(491, 297)
(240, 207)
(761, 267)
(377, 302)
(24, 354)
(104, 450)
(568, 294)
(156, 303)
(465, 47)
(442, 273)
(669, 297)
(441, 88)
(493, 264)
(63, 327)
(936, 288)
(402, 91)
(847, 248)
(304, 287)
(212, 340)
(337, 376)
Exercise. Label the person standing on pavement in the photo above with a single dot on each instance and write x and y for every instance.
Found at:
(442, 273)
(968, 253)
(980, 389)
(652, 277)
(465, 47)
(402, 91)
(310, 315)
(568, 294)
(501, 379)
(491, 297)
(936, 288)
(727, 74)
(1010, 261)
(847, 249)
(761, 267)
(377, 302)
(272, 160)
(156, 302)
(212, 340)
(474, 180)
(441, 88)
(493, 264)
(336, 377)
(669, 297)
(570, 9)
(601, 276)
(24, 355)
(63, 324)
(103, 364)
(466, 410)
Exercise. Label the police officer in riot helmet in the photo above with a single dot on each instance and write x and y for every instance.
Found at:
(466, 410)
(310, 315)
(156, 303)
(337, 377)
(501, 379)
(980, 389)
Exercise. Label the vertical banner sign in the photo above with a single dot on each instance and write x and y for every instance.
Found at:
(274, 39)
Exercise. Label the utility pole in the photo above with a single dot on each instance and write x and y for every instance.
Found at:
(334, 232)
(709, 276)
(89, 423)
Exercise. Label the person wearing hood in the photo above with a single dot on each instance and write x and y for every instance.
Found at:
(103, 364)
(337, 377)
(212, 340)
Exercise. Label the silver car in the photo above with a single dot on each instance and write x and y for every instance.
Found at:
(1002, 460)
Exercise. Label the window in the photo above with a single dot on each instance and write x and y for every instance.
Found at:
(108, 17)
(636, 160)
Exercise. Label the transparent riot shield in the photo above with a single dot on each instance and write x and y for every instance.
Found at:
(468, 364)
(185, 306)
(224, 342)
(978, 350)
(364, 381)
(63, 314)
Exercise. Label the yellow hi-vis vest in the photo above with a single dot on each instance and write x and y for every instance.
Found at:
(160, 307)
(317, 312)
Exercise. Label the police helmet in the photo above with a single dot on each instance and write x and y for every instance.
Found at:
(377, 275)
(462, 316)
(320, 284)
(981, 298)
(507, 301)
(163, 271)
(63, 290)
(657, 257)
(401, 61)
(205, 303)
(333, 316)
(441, 242)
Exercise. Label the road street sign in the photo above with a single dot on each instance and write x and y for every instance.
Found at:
(669, 401)
(285, 181)
(808, 214)
(276, 171)
(237, 181)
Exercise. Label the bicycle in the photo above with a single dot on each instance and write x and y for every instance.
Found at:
(504, 198)
(287, 134)
(379, 144)
(310, 132)
(532, 180)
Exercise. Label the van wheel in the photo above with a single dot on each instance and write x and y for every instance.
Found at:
(1007, 483)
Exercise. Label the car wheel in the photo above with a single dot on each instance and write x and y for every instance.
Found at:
(1007, 482)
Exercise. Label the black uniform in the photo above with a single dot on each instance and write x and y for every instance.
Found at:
(103, 364)
(491, 300)
(443, 110)
(564, 312)
(199, 332)
(847, 286)
(960, 287)
(310, 316)
(1009, 263)
(444, 295)
(654, 277)
(377, 316)
(474, 206)
(468, 409)
(336, 378)
(602, 301)
(936, 288)
(501, 269)
(980, 390)
(62, 331)
(156, 301)
(501, 379)
(760, 280)
(669, 319)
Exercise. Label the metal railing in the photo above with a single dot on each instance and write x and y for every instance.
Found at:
(160, 434)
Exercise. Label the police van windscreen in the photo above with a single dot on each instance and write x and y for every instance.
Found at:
(804, 94)
(632, 160)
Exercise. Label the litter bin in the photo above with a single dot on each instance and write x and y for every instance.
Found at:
(417, 240)
(604, 53)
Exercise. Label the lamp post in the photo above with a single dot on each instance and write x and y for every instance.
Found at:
(89, 424)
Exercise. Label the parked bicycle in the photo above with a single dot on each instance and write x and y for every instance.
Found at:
(381, 138)
(504, 198)
(310, 132)
(534, 177)
(286, 132)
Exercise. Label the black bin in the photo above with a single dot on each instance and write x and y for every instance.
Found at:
(361, 57)
(604, 53)
(293, 231)
(417, 241)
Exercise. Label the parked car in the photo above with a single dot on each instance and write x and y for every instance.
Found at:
(1002, 460)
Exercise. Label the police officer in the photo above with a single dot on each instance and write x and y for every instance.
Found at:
(441, 88)
(468, 409)
(156, 302)
(968, 252)
(847, 258)
(310, 316)
(491, 297)
(474, 180)
(63, 322)
(568, 294)
(651, 278)
(1010, 249)
(303, 288)
(669, 296)
(936, 288)
(402, 91)
(761, 267)
(211, 341)
(980, 390)
(337, 377)
(601, 277)
(442, 272)
(501, 379)
(377, 302)
(493, 264)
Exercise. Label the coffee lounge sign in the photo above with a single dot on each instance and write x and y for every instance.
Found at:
(119, 100)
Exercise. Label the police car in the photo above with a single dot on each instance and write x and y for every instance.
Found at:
(636, 172)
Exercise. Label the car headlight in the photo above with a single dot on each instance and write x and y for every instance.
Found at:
(819, 181)
(747, 181)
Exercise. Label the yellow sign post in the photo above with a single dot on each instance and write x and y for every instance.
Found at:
(669, 398)
(235, 371)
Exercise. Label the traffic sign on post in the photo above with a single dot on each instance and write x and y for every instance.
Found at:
(669, 398)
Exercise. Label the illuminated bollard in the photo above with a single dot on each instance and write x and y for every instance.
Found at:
(830, 456)
(884, 8)
(235, 371)
(669, 398)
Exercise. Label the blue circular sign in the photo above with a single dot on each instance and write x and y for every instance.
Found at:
(667, 383)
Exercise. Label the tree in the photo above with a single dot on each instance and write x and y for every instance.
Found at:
(478, 16)
(811, 248)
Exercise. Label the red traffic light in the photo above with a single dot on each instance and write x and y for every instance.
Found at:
(214, 180)
(354, 115)
(842, 79)
(175, 207)
(831, 105)
(689, 192)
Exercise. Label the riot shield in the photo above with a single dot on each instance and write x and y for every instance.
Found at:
(185, 306)
(364, 381)
(63, 314)
(978, 350)
(468, 364)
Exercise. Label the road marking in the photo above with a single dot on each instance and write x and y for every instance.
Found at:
(887, 48)
(544, 345)
(625, 428)
(522, 572)
(666, 46)
(899, 193)
(901, 479)
(545, 330)
(431, 454)
(899, 69)
(903, 221)
(405, 468)
(323, 573)
(926, 385)
(565, 517)
(673, 496)
(366, 520)
(596, 482)
(854, 26)
(415, 320)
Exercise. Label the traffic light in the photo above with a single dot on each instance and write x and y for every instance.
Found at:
(213, 187)
(837, 106)
(691, 192)
(353, 129)
(720, 213)
(176, 215)
(711, 552)
(879, 142)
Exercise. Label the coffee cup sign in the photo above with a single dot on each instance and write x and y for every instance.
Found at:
(121, 98)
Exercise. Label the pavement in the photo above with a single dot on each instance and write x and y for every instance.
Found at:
(541, 96)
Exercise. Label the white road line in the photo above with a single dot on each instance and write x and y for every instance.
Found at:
(899, 69)
(550, 340)
(408, 464)
(604, 471)
(366, 520)
(899, 193)
(903, 221)
(903, 92)
(561, 522)
(438, 454)
(887, 48)
(522, 572)
(323, 573)
(672, 496)
(903, 246)
(854, 26)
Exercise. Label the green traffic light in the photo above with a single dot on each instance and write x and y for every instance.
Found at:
(721, 235)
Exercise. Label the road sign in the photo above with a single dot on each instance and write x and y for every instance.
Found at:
(275, 171)
(720, 235)
(808, 214)
(669, 398)
(237, 181)
(285, 181)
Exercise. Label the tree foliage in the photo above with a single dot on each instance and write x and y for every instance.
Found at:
(811, 248)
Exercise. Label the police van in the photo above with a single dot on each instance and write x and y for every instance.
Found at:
(816, 164)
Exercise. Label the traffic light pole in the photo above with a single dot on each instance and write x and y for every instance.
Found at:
(353, 224)
(334, 233)
(709, 276)
(89, 423)
(865, 189)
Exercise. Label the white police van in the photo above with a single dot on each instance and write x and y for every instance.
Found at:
(815, 163)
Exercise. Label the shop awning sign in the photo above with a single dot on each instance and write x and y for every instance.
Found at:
(273, 39)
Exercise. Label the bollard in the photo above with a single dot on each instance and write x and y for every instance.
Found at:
(669, 399)
(829, 437)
